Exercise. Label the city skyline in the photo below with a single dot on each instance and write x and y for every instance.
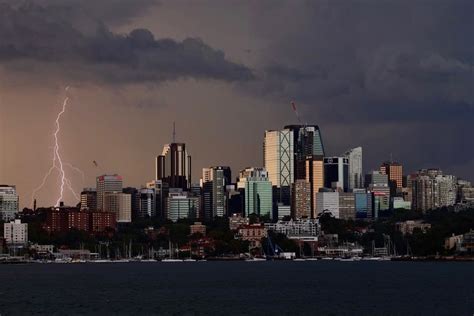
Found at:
(230, 90)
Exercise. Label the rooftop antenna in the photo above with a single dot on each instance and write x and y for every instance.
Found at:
(174, 132)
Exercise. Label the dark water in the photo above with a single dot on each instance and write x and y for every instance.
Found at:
(239, 288)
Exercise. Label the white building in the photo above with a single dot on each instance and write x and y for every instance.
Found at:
(355, 168)
(107, 184)
(9, 202)
(119, 203)
(296, 229)
(279, 157)
(15, 233)
(328, 202)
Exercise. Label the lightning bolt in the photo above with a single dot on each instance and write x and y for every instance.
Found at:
(58, 164)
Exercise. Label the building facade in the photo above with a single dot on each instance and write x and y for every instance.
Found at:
(336, 173)
(301, 199)
(173, 166)
(356, 175)
(9, 202)
(107, 184)
(15, 233)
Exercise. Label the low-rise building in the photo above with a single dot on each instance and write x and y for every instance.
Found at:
(252, 233)
(198, 227)
(303, 229)
(407, 227)
(237, 220)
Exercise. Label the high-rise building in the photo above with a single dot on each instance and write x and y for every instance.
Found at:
(173, 166)
(250, 172)
(347, 209)
(394, 171)
(431, 189)
(161, 190)
(181, 204)
(135, 200)
(146, 202)
(307, 141)
(15, 233)
(258, 193)
(315, 177)
(336, 173)
(89, 199)
(278, 152)
(9, 202)
(107, 184)
(378, 185)
(119, 203)
(363, 203)
(214, 182)
(301, 199)
(354, 156)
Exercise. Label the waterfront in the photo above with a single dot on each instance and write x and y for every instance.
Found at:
(195, 288)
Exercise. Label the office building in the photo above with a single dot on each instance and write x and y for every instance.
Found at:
(363, 204)
(356, 180)
(394, 171)
(258, 192)
(307, 141)
(301, 199)
(327, 202)
(89, 199)
(378, 185)
(173, 166)
(347, 209)
(336, 173)
(314, 175)
(181, 204)
(15, 233)
(9, 202)
(107, 184)
(119, 203)
(214, 182)
(161, 190)
(146, 203)
(278, 152)
(250, 172)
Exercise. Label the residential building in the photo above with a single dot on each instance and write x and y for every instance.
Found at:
(9, 202)
(301, 199)
(15, 233)
(302, 229)
(431, 190)
(407, 227)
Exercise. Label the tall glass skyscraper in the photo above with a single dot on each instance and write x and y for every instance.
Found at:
(173, 166)
(355, 168)
(336, 173)
(278, 152)
(307, 141)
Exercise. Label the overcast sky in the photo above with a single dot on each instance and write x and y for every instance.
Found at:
(395, 77)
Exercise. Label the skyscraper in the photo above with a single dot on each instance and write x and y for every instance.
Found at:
(9, 202)
(431, 189)
(354, 156)
(307, 141)
(301, 199)
(378, 185)
(394, 171)
(336, 173)
(119, 203)
(173, 166)
(258, 191)
(214, 182)
(278, 152)
(105, 184)
(180, 204)
(146, 202)
(89, 199)
(315, 177)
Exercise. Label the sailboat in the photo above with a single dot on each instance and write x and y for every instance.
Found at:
(171, 259)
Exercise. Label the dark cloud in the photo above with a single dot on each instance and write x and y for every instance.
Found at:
(40, 35)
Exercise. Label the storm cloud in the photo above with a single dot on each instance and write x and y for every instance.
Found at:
(48, 35)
